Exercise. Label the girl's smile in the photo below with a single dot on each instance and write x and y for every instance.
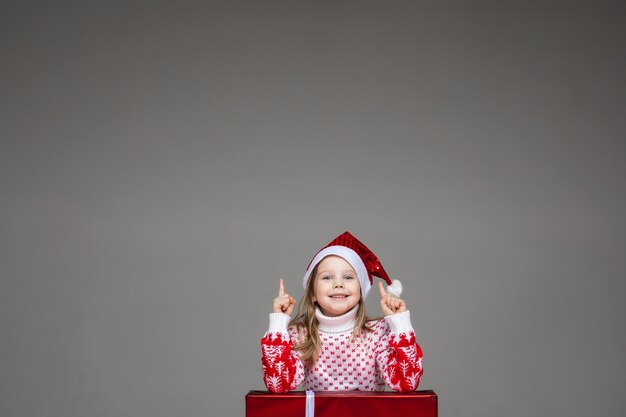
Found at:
(337, 289)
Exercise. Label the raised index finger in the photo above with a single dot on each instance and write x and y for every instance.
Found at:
(281, 287)
(383, 293)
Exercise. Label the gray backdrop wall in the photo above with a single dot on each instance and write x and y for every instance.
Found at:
(163, 163)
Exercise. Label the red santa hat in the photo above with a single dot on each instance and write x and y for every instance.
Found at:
(363, 260)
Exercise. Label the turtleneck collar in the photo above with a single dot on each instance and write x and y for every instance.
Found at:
(336, 324)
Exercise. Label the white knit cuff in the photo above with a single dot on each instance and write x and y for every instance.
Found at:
(278, 323)
(400, 323)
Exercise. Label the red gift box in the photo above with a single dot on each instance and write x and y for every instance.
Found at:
(343, 404)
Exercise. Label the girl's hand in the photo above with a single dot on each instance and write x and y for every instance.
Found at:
(389, 304)
(284, 303)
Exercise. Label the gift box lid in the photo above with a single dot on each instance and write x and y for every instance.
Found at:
(343, 403)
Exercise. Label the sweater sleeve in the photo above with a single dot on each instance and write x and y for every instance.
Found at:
(399, 357)
(282, 368)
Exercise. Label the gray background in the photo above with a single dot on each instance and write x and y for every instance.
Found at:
(162, 164)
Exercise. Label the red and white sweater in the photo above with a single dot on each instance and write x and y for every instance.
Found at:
(388, 355)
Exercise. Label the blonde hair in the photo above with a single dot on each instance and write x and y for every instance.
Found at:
(308, 341)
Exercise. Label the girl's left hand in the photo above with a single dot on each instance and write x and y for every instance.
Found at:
(389, 304)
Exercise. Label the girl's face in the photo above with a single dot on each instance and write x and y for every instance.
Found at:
(336, 286)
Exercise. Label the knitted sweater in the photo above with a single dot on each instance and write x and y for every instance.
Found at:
(388, 355)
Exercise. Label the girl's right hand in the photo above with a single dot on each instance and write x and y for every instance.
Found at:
(284, 303)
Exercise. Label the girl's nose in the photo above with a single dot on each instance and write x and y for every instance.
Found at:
(338, 283)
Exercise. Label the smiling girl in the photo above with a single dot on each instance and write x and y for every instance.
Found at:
(331, 345)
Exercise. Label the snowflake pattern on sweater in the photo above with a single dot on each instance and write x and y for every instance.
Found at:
(380, 358)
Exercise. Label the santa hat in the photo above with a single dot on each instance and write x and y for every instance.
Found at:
(364, 262)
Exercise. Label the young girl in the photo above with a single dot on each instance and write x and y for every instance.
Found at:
(331, 345)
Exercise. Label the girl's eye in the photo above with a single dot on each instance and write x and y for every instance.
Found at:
(327, 277)
(348, 277)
